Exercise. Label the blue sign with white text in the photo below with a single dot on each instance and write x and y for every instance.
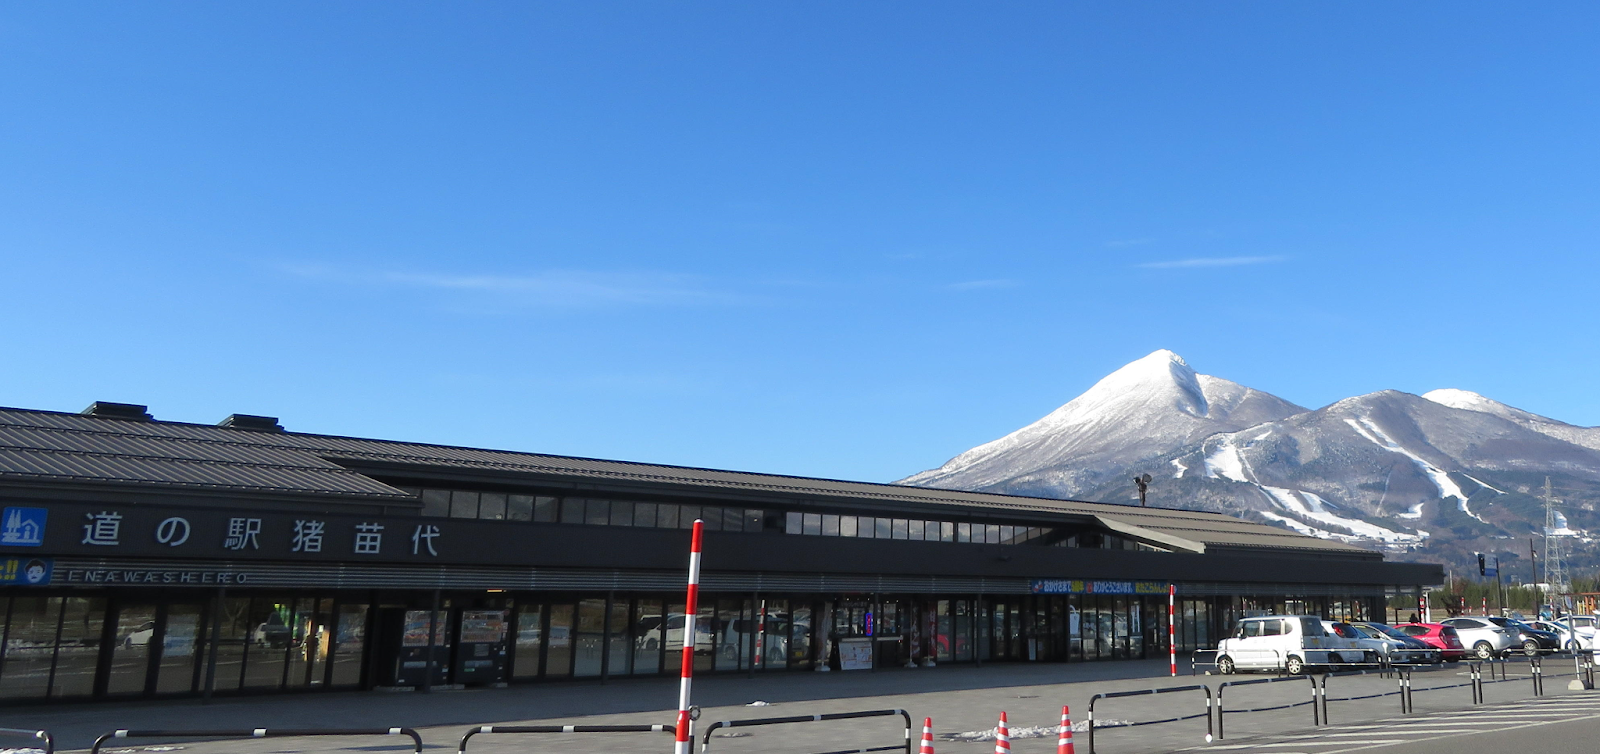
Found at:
(23, 527)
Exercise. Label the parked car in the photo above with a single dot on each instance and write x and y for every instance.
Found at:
(1533, 640)
(1441, 637)
(140, 636)
(1571, 636)
(1398, 647)
(1485, 639)
(1288, 642)
(1371, 649)
(651, 635)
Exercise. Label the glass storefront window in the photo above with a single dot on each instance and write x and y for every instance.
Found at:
(772, 644)
(672, 641)
(597, 512)
(649, 633)
(621, 513)
(558, 650)
(963, 630)
(620, 659)
(180, 645)
(588, 638)
(519, 508)
(435, 502)
(811, 524)
(350, 643)
(130, 655)
(687, 515)
(800, 636)
(705, 639)
(644, 514)
(546, 509)
(898, 528)
(917, 527)
(271, 636)
(530, 633)
(78, 651)
(944, 638)
(847, 526)
(830, 525)
(30, 646)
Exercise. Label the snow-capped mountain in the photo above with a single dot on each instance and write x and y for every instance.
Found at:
(1150, 407)
(1435, 476)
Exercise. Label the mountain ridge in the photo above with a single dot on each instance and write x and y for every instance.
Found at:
(1427, 477)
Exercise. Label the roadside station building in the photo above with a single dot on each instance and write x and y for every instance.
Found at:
(149, 558)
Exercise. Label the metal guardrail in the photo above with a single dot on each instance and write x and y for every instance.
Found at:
(1316, 718)
(257, 733)
(39, 735)
(705, 741)
(1146, 692)
(461, 748)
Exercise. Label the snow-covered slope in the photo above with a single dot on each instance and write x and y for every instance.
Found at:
(1435, 476)
(1143, 410)
(1467, 400)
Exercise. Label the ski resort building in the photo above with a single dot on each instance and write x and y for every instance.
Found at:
(143, 558)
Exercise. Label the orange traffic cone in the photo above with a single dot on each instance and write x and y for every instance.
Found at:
(927, 736)
(1002, 737)
(1064, 742)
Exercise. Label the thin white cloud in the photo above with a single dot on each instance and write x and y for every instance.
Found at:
(976, 285)
(554, 288)
(1212, 262)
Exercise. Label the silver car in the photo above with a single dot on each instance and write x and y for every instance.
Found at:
(1483, 639)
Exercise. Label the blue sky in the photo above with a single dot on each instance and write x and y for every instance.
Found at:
(835, 239)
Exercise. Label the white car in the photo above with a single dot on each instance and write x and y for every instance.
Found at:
(1483, 638)
(1576, 632)
(1286, 642)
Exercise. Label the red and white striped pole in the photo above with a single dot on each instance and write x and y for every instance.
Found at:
(1172, 646)
(691, 627)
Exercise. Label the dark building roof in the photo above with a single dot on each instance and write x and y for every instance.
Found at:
(253, 456)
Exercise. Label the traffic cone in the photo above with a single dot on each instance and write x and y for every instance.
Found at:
(1064, 742)
(927, 736)
(1002, 737)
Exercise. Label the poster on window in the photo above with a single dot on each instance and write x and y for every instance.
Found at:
(416, 631)
(483, 626)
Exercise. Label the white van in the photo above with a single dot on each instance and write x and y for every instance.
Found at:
(1284, 642)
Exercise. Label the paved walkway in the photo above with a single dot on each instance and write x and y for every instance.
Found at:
(960, 699)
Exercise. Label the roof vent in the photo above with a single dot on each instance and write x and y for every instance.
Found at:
(252, 423)
(125, 411)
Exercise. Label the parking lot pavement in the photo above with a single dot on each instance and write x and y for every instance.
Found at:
(1565, 723)
(963, 701)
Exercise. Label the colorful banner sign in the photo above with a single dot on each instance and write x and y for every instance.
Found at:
(1087, 586)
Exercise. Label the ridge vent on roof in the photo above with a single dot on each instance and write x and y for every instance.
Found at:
(251, 422)
(123, 411)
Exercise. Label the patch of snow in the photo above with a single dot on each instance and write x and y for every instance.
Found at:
(1032, 731)
(1225, 461)
(1486, 485)
(1414, 512)
(1311, 506)
(1178, 462)
(1465, 400)
(1447, 486)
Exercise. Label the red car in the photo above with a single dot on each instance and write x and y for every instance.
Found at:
(1439, 636)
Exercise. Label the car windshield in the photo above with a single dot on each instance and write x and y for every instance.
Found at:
(1502, 622)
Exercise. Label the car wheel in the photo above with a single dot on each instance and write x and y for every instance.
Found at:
(1483, 650)
(1225, 665)
(1530, 647)
(1294, 665)
(650, 644)
(1572, 646)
